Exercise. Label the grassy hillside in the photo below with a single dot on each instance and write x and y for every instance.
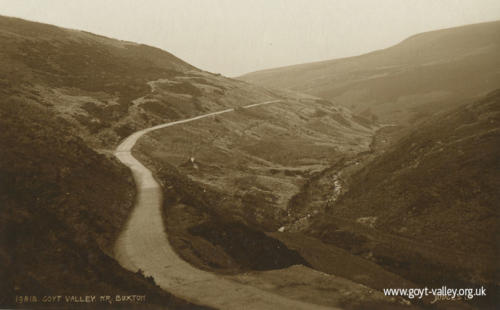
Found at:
(427, 208)
(65, 94)
(89, 79)
(62, 93)
(106, 88)
(62, 207)
(259, 157)
(62, 204)
(412, 80)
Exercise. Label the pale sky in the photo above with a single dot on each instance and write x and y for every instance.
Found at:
(233, 37)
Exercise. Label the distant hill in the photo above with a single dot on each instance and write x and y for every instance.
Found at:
(425, 73)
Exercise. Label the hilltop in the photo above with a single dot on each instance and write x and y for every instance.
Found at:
(405, 83)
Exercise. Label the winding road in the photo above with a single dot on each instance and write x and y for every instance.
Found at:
(143, 244)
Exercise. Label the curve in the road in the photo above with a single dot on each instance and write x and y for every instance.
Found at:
(143, 244)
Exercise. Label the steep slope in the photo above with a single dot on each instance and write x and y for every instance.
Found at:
(425, 73)
(427, 208)
(89, 79)
(107, 88)
(62, 207)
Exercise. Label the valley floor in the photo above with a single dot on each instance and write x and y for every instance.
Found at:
(144, 245)
(144, 234)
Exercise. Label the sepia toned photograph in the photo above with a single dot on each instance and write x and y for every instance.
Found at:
(250, 154)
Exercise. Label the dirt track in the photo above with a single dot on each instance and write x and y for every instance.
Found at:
(144, 245)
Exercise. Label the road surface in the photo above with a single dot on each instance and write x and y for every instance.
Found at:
(143, 244)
